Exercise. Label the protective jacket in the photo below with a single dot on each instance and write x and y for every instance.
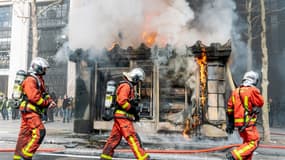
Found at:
(32, 130)
(240, 105)
(124, 92)
(241, 102)
(123, 125)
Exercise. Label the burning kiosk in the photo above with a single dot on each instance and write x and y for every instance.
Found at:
(167, 103)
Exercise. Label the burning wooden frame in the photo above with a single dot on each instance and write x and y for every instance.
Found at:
(167, 100)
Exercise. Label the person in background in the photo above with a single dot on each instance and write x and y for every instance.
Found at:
(36, 100)
(244, 105)
(1, 104)
(66, 107)
(5, 108)
(50, 111)
(15, 111)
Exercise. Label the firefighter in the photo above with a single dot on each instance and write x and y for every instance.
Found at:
(32, 130)
(244, 104)
(125, 114)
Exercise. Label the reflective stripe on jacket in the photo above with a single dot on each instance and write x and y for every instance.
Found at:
(241, 102)
(31, 108)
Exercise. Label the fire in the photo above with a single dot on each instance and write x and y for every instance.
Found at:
(113, 46)
(187, 129)
(149, 38)
(190, 125)
(202, 62)
(195, 120)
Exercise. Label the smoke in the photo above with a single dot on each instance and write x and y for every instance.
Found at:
(94, 25)
(97, 24)
(214, 22)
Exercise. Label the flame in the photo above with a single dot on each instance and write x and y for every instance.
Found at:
(113, 45)
(187, 129)
(202, 62)
(195, 119)
(190, 125)
(149, 38)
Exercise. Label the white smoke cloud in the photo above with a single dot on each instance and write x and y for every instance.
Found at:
(97, 24)
(214, 23)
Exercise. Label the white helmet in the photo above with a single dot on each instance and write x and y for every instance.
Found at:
(250, 78)
(39, 66)
(135, 75)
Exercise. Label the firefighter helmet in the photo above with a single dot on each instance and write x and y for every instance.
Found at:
(250, 78)
(135, 75)
(39, 66)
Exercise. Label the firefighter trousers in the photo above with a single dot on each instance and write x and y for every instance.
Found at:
(31, 135)
(123, 128)
(250, 138)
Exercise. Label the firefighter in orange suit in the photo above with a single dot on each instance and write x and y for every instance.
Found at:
(32, 130)
(243, 106)
(126, 112)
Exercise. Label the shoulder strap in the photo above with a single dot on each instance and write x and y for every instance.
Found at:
(244, 102)
(37, 79)
(130, 84)
(245, 108)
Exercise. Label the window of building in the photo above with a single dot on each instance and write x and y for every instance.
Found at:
(5, 35)
(51, 23)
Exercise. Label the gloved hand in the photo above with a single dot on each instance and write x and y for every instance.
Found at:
(230, 125)
(137, 117)
(230, 129)
(134, 102)
(256, 110)
(135, 111)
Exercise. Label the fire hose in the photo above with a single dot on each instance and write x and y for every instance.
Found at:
(219, 148)
(39, 150)
(175, 151)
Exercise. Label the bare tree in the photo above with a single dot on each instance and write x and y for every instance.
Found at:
(249, 34)
(264, 71)
(34, 21)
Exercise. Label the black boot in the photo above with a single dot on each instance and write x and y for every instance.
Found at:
(229, 156)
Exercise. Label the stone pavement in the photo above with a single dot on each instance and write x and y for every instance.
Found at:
(61, 139)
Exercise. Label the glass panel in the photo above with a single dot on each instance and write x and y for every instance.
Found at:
(171, 98)
(56, 15)
(5, 35)
(216, 71)
(50, 27)
(214, 101)
(216, 87)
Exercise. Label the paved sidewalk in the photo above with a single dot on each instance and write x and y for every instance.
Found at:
(60, 138)
(56, 133)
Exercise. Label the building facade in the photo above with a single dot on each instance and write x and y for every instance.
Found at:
(16, 41)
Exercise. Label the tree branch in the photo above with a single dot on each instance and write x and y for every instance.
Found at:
(49, 6)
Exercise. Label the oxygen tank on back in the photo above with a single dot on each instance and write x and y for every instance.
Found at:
(110, 100)
(110, 92)
(17, 89)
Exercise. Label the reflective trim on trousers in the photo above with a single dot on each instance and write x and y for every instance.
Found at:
(136, 150)
(238, 153)
(25, 150)
(17, 157)
(105, 156)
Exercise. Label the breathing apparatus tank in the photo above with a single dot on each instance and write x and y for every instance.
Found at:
(110, 100)
(17, 89)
